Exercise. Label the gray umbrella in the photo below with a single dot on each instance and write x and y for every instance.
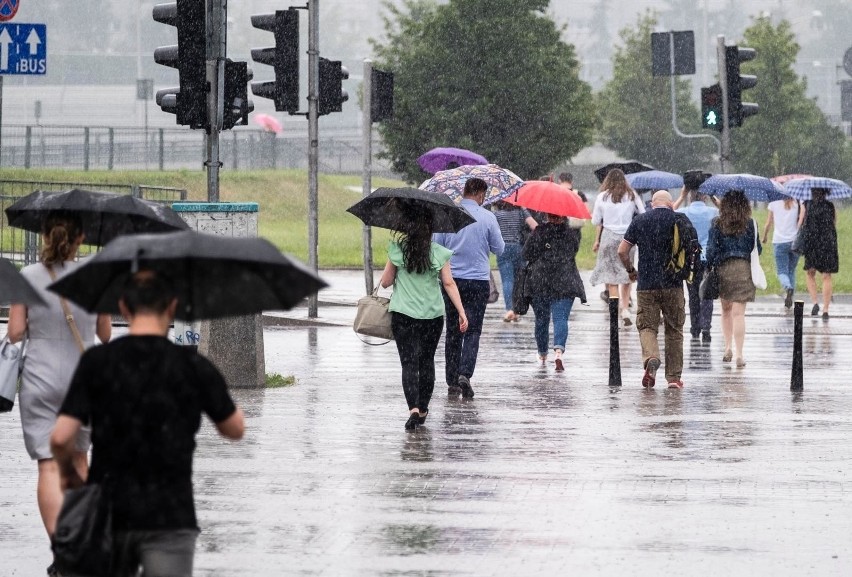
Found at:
(14, 288)
(213, 276)
(104, 215)
(386, 208)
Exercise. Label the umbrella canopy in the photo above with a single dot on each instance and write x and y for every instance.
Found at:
(801, 188)
(440, 158)
(214, 276)
(501, 182)
(267, 122)
(545, 196)
(654, 179)
(627, 167)
(756, 188)
(14, 288)
(385, 207)
(104, 215)
(784, 178)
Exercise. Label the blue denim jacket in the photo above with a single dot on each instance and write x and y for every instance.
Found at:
(721, 247)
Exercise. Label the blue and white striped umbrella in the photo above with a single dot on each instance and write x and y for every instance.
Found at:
(756, 188)
(654, 179)
(800, 188)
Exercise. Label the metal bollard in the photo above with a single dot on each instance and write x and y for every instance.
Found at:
(796, 377)
(614, 353)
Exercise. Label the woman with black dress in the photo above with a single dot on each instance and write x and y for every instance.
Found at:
(820, 247)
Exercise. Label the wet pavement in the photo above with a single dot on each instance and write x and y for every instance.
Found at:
(542, 473)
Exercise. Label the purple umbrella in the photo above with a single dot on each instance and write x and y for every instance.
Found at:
(439, 159)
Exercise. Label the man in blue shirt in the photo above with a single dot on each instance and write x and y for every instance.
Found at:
(656, 291)
(701, 215)
(471, 268)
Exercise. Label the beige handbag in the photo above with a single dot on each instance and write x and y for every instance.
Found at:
(373, 318)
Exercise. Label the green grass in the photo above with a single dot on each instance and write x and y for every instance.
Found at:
(283, 218)
(276, 380)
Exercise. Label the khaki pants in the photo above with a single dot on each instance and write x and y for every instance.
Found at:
(671, 304)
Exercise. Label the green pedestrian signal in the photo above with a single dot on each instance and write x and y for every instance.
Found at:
(710, 120)
(711, 107)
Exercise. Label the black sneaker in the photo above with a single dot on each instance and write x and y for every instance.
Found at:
(705, 336)
(815, 311)
(788, 299)
(453, 392)
(466, 389)
(695, 333)
(412, 422)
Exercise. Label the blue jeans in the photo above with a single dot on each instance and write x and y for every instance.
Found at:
(785, 264)
(544, 308)
(508, 263)
(462, 348)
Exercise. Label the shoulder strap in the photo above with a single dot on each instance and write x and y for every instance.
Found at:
(69, 318)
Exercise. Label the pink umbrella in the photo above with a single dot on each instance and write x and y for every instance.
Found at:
(785, 177)
(269, 123)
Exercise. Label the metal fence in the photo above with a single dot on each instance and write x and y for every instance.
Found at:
(23, 247)
(108, 148)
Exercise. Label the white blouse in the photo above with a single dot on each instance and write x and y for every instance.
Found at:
(616, 216)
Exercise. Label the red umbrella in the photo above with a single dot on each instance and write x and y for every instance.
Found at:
(549, 197)
(269, 123)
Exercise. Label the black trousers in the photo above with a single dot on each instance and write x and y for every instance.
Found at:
(416, 342)
(462, 348)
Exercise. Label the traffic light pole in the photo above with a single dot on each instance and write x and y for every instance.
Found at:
(672, 78)
(313, 145)
(216, 51)
(367, 138)
(723, 82)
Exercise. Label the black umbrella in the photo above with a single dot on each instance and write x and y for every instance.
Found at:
(14, 288)
(385, 208)
(627, 167)
(104, 215)
(214, 276)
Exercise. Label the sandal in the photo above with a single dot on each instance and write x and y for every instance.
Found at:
(726, 358)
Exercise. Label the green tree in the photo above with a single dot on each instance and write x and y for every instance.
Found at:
(790, 134)
(636, 118)
(492, 76)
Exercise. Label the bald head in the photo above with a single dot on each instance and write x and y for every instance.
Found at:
(661, 198)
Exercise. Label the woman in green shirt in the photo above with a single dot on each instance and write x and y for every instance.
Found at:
(417, 307)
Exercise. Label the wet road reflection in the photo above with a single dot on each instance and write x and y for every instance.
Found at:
(542, 473)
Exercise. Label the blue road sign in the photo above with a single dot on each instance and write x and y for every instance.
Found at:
(23, 48)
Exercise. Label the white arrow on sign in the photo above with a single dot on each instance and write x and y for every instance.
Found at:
(5, 42)
(33, 40)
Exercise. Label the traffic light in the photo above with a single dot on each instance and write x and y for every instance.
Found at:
(188, 56)
(737, 109)
(284, 57)
(236, 105)
(332, 73)
(711, 107)
(381, 95)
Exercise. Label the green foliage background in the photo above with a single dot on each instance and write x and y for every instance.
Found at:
(636, 112)
(491, 76)
(790, 133)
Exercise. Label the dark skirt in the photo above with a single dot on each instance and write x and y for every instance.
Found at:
(735, 282)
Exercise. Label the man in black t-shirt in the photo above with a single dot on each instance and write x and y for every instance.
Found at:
(143, 397)
(657, 292)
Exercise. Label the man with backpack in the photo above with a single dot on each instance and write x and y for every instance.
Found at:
(665, 241)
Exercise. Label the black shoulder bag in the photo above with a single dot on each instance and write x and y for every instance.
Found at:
(83, 541)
